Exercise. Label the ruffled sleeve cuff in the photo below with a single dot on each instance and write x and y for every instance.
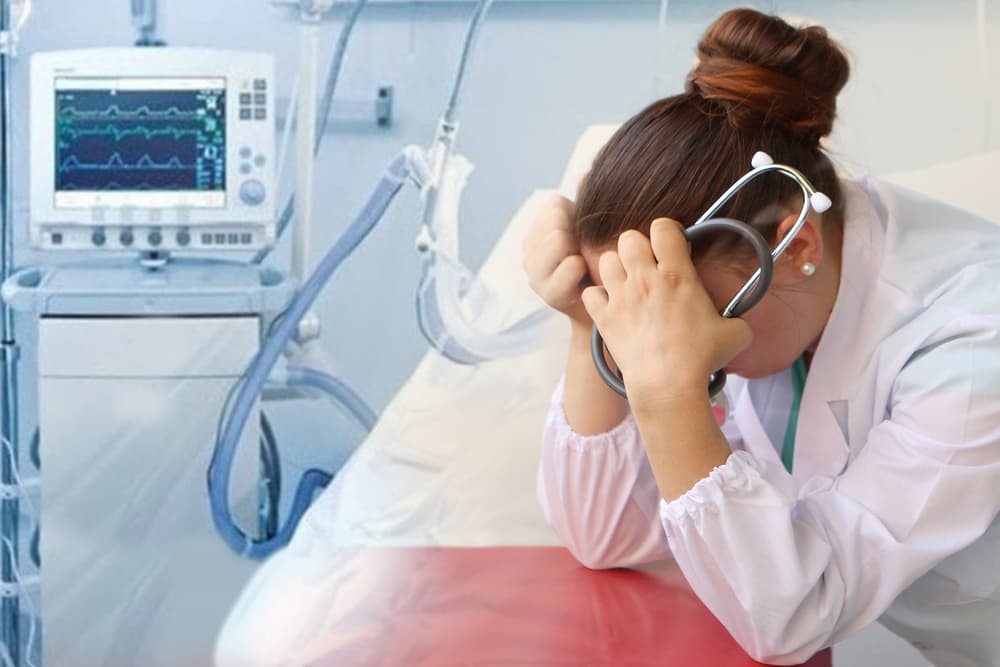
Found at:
(740, 476)
(566, 436)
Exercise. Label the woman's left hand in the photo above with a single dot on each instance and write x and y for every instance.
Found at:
(657, 320)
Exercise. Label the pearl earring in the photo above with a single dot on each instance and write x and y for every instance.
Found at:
(808, 268)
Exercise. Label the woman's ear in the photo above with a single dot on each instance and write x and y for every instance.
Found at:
(807, 246)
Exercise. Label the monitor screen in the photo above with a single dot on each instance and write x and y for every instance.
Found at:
(144, 142)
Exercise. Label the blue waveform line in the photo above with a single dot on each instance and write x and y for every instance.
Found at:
(118, 134)
(73, 163)
(115, 111)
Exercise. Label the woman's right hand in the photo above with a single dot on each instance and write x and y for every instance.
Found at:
(556, 269)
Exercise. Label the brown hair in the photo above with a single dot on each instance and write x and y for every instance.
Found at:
(760, 84)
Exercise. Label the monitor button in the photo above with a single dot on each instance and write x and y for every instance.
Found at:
(252, 192)
(183, 237)
(126, 237)
(99, 238)
(155, 238)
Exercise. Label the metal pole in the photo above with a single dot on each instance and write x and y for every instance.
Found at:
(9, 513)
(305, 132)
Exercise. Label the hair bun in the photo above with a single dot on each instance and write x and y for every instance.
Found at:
(762, 70)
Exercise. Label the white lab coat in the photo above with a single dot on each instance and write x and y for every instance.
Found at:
(891, 512)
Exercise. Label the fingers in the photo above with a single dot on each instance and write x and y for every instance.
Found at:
(670, 246)
(556, 213)
(611, 270)
(595, 300)
(564, 283)
(636, 252)
(541, 260)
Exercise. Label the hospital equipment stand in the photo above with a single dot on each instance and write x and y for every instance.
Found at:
(134, 368)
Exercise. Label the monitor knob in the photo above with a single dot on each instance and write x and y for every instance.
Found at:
(252, 192)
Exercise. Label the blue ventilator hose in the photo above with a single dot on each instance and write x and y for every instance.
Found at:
(249, 388)
(336, 389)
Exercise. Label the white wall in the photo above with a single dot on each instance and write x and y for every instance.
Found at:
(543, 71)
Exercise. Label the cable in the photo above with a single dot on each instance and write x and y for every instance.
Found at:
(470, 41)
(33, 613)
(34, 450)
(270, 462)
(332, 77)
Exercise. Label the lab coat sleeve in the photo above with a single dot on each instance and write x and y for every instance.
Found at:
(791, 570)
(599, 494)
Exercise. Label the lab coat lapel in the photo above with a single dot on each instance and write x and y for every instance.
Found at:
(821, 449)
(822, 436)
(822, 441)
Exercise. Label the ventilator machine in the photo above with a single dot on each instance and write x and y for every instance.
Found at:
(153, 204)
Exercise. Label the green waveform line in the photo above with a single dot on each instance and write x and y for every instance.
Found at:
(114, 111)
(121, 133)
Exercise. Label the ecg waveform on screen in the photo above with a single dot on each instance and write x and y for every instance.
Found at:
(116, 112)
(117, 133)
(118, 163)
(140, 140)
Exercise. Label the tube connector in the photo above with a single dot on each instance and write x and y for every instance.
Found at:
(420, 169)
(424, 242)
(309, 328)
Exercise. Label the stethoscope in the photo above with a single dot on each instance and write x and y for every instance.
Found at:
(756, 286)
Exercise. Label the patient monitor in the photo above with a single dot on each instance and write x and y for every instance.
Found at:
(152, 150)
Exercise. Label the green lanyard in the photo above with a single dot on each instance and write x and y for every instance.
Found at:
(798, 384)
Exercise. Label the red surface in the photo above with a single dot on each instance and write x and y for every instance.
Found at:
(523, 606)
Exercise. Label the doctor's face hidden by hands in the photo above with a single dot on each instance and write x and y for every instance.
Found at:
(791, 317)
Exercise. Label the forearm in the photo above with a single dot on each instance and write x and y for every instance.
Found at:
(591, 406)
(598, 493)
(683, 442)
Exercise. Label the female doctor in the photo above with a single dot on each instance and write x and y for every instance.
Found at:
(857, 476)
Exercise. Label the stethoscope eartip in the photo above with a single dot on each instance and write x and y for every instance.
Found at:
(761, 159)
(820, 202)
